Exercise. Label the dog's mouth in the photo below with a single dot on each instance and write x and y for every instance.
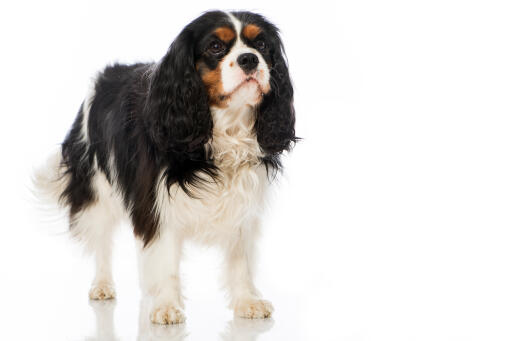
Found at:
(250, 80)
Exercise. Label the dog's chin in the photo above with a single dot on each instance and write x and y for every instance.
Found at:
(249, 92)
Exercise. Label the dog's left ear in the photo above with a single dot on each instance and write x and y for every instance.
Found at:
(275, 122)
(177, 117)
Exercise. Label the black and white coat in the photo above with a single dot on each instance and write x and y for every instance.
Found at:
(183, 149)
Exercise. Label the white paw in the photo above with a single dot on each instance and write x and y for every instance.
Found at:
(101, 291)
(167, 314)
(253, 308)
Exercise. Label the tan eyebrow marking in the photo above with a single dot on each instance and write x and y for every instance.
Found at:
(225, 34)
(251, 31)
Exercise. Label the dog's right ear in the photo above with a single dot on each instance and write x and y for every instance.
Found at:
(177, 118)
(177, 115)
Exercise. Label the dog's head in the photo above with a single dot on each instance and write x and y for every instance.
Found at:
(223, 60)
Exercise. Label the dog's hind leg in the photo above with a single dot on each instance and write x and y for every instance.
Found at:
(94, 226)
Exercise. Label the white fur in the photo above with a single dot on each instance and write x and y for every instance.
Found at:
(224, 213)
(235, 22)
(86, 110)
(233, 77)
(49, 180)
(94, 227)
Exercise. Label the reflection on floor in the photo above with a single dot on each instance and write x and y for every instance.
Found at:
(237, 329)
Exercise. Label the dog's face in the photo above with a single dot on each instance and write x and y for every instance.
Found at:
(234, 62)
(221, 60)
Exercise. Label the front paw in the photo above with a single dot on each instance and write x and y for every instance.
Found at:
(167, 314)
(253, 308)
(102, 291)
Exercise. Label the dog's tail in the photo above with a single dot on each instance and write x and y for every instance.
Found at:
(49, 182)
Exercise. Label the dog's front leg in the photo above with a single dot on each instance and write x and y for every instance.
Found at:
(245, 298)
(159, 277)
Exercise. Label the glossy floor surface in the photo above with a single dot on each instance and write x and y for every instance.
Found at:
(392, 220)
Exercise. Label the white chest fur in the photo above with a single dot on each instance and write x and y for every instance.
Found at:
(236, 199)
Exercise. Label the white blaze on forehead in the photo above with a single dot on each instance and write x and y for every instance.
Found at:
(232, 74)
(236, 23)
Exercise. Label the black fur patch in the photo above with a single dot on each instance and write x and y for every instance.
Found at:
(154, 118)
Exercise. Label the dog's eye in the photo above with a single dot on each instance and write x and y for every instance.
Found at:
(260, 45)
(216, 47)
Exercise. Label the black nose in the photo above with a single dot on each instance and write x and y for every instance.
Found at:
(248, 62)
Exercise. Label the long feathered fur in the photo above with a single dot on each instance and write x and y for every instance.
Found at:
(147, 143)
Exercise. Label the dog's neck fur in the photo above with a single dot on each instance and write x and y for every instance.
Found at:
(234, 143)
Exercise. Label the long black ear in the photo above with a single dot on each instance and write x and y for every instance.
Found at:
(275, 122)
(177, 115)
(177, 106)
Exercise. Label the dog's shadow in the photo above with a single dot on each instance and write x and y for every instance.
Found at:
(238, 329)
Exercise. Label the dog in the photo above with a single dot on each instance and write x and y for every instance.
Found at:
(185, 149)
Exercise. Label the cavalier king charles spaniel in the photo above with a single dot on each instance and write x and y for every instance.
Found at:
(184, 148)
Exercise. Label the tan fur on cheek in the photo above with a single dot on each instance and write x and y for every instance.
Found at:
(251, 31)
(213, 81)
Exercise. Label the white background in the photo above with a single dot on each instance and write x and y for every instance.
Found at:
(392, 221)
